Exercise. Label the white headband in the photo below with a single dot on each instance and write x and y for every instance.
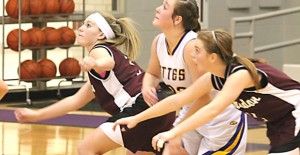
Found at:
(103, 25)
(215, 38)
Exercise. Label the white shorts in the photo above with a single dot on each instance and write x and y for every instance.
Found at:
(114, 135)
(227, 132)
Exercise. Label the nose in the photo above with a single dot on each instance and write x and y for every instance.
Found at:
(157, 9)
(80, 28)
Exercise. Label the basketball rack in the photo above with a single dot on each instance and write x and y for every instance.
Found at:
(37, 21)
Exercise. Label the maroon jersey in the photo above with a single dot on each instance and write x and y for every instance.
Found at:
(277, 102)
(119, 93)
(119, 87)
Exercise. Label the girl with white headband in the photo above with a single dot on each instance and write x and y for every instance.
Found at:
(251, 85)
(115, 80)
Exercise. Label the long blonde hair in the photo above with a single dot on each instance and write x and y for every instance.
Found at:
(126, 34)
(220, 42)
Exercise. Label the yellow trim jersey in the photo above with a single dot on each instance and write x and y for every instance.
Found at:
(225, 134)
(174, 71)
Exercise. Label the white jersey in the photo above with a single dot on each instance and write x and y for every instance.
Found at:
(226, 132)
(174, 70)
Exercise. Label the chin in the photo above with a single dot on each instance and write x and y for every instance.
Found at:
(155, 22)
(79, 42)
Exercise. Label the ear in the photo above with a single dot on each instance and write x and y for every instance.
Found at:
(213, 57)
(101, 36)
(178, 19)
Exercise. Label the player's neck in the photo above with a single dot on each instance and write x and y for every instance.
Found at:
(172, 39)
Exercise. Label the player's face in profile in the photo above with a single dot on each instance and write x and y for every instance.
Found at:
(163, 16)
(200, 56)
(88, 33)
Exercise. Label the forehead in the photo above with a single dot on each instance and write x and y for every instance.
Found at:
(170, 2)
(199, 43)
(89, 20)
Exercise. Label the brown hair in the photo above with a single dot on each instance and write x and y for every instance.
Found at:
(189, 12)
(220, 42)
(126, 34)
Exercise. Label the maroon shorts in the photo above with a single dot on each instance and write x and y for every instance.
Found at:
(140, 137)
(282, 135)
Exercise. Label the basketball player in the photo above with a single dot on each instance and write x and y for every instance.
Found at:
(171, 61)
(3, 89)
(252, 86)
(115, 80)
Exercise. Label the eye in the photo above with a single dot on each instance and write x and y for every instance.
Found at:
(164, 6)
(88, 25)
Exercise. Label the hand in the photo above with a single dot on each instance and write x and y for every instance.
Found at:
(160, 139)
(175, 147)
(149, 95)
(126, 123)
(87, 63)
(26, 115)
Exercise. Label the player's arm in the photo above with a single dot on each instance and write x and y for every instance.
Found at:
(152, 76)
(99, 59)
(71, 103)
(178, 100)
(170, 103)
(238, 80)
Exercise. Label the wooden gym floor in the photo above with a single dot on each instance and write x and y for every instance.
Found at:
(32, 139)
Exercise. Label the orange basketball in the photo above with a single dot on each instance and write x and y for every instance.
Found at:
(51, 6)
(12, 8)
(67, 6)
(36, 7)
(48, 68)
(29, 69)
(37, 37)
(52, 35)
(69, 67)
(68, 36)
(13, 37)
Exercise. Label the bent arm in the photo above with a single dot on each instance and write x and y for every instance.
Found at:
(99, 59)
(239, 81)
(176, 101)
(153, 75)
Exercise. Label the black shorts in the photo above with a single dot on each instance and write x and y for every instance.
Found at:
(282, 135)
(140, 137)
(289, 146)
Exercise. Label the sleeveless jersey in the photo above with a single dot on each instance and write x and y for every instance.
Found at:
(119, 87)
(217, 135)
(277, 98)
(174, 71)
(277, 103)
